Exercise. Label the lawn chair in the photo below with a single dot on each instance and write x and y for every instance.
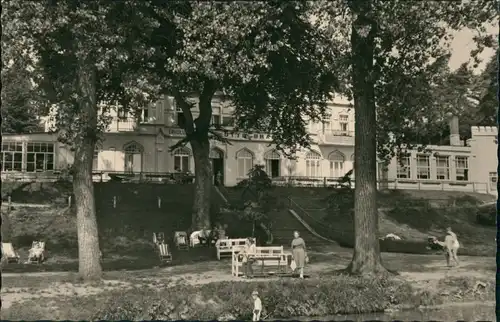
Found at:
(8, 253)
(158, 238)
(180, 239)
(37, 252)
(164, 253)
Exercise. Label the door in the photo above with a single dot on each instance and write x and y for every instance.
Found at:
(218, 171)
(275, 168)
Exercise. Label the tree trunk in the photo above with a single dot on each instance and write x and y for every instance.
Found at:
(6, 226)
(366, 258)
(88, 237)
(203, 183)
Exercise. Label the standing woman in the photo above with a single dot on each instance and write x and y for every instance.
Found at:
(299, 252)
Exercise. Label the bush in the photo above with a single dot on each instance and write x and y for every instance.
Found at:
(284, 299)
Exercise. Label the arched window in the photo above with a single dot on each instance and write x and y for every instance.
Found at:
(337, 160)
(273, 163)
(313, 164)
(182, 156)
(216, 154)
(245, 162)
(133, 157)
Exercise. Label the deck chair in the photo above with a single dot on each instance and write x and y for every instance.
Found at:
(164, 253)
(37, 252)
(8, 253)
(180, 239)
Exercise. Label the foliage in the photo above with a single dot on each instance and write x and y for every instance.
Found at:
(487, 215)
(257, 198)
(285, 299)
(471, 97)
(20, 101)
(56, 40)
(239, 50)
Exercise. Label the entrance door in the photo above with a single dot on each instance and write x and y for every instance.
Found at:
(275, 168)
(218, 171)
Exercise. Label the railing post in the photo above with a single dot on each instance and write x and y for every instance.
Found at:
(474, 187)
(69, 201)
(324, 182)
(114, 201)
(159, 202)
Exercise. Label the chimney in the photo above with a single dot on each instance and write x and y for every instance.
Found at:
(454, 134)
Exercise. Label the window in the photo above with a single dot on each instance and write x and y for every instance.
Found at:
(12, 156)
(227, 121)
(404, 167)
(145, 115)
(273, 164)
(181, 159)
(344, 123)
(423, 167)
(443, 167)
(122, 113)
(39, 156)
(336, 164)
(462, 168)
(313, 164)
(181, 120)
(493, 180)
(95, 160)
(245, 162)
(327, 126)
(133, 157)
(216, 119)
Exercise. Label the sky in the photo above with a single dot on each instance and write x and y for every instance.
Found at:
(462, 45)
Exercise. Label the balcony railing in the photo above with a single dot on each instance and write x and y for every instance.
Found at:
(336, 137)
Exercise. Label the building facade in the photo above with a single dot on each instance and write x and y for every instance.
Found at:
(142, 145)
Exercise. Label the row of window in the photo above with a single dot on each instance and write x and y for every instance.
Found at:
(327, 126)
(443, 171)
(245, 162)
(39, 156)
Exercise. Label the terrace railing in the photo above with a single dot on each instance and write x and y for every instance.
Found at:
(421, 184)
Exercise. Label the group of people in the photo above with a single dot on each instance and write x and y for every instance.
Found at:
(208, 237)
(299, 254)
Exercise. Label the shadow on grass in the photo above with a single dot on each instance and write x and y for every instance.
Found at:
(129, 261)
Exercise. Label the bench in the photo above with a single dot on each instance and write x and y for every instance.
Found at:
(265, 256)
(225, 246)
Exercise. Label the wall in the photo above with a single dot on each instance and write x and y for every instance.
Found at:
(485, 161)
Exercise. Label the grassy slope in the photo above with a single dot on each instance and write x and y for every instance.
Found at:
(415, 215)
(125, 231)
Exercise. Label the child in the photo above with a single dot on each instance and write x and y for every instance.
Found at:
(257, 306)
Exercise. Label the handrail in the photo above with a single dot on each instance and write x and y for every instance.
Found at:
(306, 225)
(318, 223)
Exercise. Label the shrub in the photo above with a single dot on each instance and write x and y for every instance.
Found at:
(283, 298)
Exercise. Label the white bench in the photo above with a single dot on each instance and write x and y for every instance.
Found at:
(265, 256)
(226, 246)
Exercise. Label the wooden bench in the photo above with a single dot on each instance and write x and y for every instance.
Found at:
(226, 246)
(265, 256)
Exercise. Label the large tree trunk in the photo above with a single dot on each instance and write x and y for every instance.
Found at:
(6, 227)
(366, 258)
(203, 183)
(88, 238)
